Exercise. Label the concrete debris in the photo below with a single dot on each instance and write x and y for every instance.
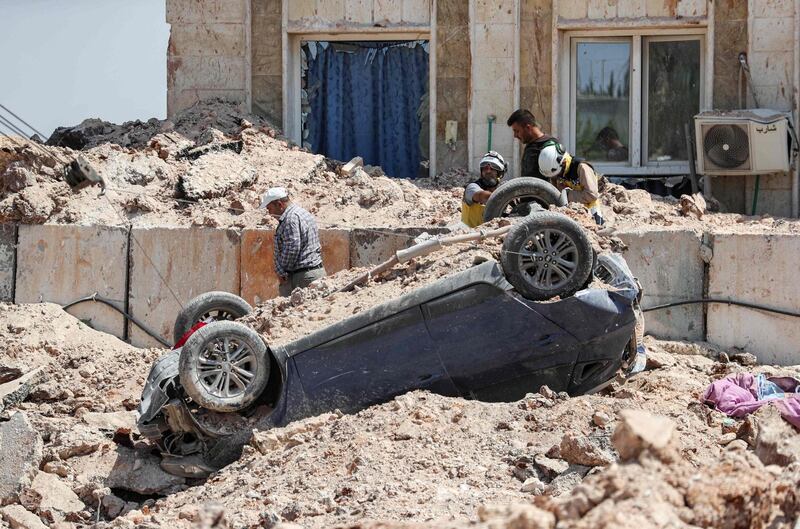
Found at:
(111, 421)
(16, 391)
(118, 467)
(350, 167)
(50, 497)
(516, 516)
(693, 205)
(776, 442)
(20, 518)
(639, 432)
(579, 449)
(20, 454)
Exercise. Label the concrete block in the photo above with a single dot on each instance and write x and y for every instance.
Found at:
(330, 10)
(773, 8)
(631, 8)
(602, 9)
(358, 11)
(756, 268)
(495, 11)
(387, 12)
(207, 73)
(691, 8)
(369, 248)
(668, 265)
(207, 11)
(207, 40)
(417, 11)
(773, 34)
(301, 9)
(494, 41)
(190, 261)
(61, 263)
(494, 73)
(258, 277)
(571, 9)
(8, 256)
(772, 67)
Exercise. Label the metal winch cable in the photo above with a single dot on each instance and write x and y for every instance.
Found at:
(110, 303)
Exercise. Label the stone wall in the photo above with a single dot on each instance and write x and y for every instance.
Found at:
(453, 75)
(207, 54)
(385, 13)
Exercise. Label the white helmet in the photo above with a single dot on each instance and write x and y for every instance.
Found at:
(550, 160)
(494, 159)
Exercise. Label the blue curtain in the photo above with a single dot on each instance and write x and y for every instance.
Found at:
(364, 100)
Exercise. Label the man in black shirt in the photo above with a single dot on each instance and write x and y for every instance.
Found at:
(528, 131)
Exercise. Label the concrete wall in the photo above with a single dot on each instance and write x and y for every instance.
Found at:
(8, 258)
(259, 281)
(386, 13)
(760, 269)
(60, 264)
(668, 265)
(267, 59)
(535, 65)
(190, 261)
(207, 54)
(494, 66)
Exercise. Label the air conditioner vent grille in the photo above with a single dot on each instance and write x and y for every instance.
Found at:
(726, 146)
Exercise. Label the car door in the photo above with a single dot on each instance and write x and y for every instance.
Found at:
(373, 364)
(495, 347)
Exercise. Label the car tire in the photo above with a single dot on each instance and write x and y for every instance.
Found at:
(217, 305)
(513, 198)
(547, 255)
(224, 366)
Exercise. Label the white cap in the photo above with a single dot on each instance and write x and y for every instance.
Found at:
(273, 193)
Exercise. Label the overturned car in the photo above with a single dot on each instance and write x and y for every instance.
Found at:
(493, 332)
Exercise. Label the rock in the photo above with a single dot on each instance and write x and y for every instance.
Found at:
(516, 516)
(745, 359)
(87, 370)
(777, 442)
(578, 449)
(639, 432)
(215, 176)
(550, 467)
(10, 370)
(694, 205)
(566, 481)
(19, 518)
(534, 485)
(118, 467)
(16, 391)
(600, 419)
(547, 393)
(350, 167)
(79, 440)
(112, 505)
(48, 495)
(267, 441)
(737, 445)
(110, 421)
(727, 438)
(20, 453)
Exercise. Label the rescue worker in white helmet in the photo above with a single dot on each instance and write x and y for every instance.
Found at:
(574, 177)
(493, 167)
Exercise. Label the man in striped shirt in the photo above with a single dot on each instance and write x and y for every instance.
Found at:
(297, 251)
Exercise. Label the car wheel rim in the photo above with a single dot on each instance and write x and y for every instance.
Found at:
(227, 367)
(217, 315)
(548, 259)
(522, 206)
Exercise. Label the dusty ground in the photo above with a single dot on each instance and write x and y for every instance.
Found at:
(421, 458)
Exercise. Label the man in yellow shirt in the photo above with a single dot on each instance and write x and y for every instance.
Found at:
(493, 167)
(574, 177)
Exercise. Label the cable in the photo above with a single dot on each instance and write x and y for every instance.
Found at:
(725, 301)
(22, 120)
(106, 301)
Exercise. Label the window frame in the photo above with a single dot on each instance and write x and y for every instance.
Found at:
(638, 164)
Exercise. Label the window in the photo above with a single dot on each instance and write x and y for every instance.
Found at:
(629, 97)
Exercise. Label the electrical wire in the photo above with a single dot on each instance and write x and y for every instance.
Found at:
(724, 301)
(110, 303)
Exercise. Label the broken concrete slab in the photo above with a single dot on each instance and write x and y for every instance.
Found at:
(191, 261)
(776, 441)
(118, 467)
(50, 497)
(754, 268)
(640, 432)
(350, 167)
(20, 453)
(111, 421)
(16, 391)
(81, 260)
(215, 176)
(679, 280)
(260, 281)
(20, 518)
(371, 247)
(8, 256)
(579, 449)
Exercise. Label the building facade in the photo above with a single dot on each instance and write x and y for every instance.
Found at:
(616, 80)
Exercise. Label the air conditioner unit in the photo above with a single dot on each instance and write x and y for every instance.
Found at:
(754, 141)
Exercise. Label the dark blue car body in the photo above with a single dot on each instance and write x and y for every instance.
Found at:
(468, 335)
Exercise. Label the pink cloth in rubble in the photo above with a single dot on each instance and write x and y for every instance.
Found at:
(737, 396)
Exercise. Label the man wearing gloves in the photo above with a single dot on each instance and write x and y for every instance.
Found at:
(297, 252)
(574, 177)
